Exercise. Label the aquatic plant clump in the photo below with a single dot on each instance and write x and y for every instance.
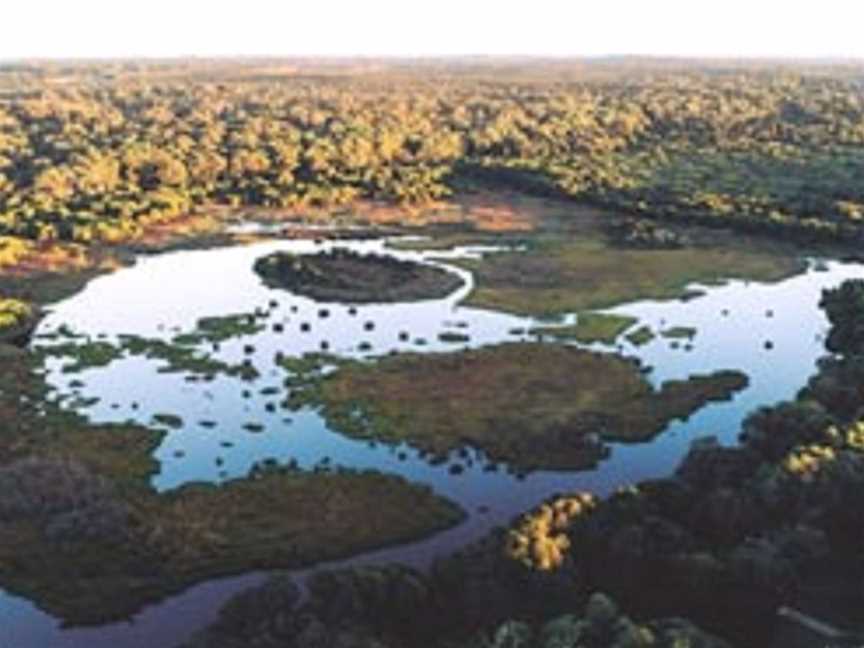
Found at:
(641, 336)
(347, 276)
(180, 355)
(220, 329)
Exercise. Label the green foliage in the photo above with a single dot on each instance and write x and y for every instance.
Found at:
(844, 307)
(601, 625)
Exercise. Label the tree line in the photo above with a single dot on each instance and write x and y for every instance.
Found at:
(94, 153)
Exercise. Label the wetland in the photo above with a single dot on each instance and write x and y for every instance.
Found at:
(430, 355)
(213, 433)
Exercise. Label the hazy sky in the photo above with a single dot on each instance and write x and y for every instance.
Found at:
(87, 28)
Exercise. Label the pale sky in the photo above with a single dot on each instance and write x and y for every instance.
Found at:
(102, 28)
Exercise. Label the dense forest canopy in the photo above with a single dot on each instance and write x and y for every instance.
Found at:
(99, 151)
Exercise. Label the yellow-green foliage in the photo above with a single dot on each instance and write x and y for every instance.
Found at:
(100, 152)
(854, 436)
(13, 249)
(806, 461)
(540, 540)
(17, 252)
(13, 312)
(851, 437)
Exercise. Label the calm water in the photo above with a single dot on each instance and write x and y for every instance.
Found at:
(167, 294)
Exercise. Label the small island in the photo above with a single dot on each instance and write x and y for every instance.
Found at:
(531, 405)
(347, 276)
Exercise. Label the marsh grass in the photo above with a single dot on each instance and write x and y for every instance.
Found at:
(563, 274)
(589, 328)
(532, 405)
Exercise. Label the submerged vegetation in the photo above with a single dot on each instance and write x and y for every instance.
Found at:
(532, 405)
(225, 327)
(33, 426)
(346, 276)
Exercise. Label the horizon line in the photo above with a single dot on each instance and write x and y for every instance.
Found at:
(227, 57)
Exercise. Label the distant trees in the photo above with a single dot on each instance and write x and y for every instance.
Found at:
(94, 159)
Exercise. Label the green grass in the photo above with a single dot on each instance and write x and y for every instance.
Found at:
(590, 328)
(571, 274)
